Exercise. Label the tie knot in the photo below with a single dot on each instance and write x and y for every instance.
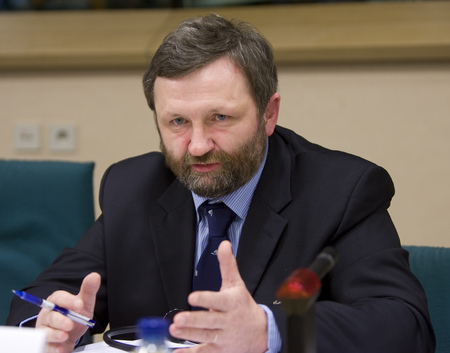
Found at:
(219, 218)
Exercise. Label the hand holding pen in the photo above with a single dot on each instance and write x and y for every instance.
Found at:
(62, 331)
(45, 304)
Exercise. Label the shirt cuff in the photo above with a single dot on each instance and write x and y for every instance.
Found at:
(273, 334)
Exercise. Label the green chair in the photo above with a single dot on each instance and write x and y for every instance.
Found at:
(45, 206)
(431, 265)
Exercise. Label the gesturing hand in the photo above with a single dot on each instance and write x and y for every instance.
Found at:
(234, 322)
(63, 333)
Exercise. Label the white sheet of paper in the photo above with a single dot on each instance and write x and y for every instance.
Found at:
(102, 347)
(99, 347)
(22, 339)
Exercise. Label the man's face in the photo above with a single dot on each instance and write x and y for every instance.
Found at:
(211, 135)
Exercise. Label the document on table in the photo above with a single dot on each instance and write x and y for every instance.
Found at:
(102, 347)
(99, 347)
(23, 339)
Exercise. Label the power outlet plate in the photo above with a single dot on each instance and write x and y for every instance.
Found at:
(27, 137)
(62, 138)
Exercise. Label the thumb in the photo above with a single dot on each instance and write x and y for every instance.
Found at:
(228, 266)
(88, 291)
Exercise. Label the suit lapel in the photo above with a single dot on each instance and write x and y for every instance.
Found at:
(264, 225)
(174, 228)
(260, 235)
(174, 236)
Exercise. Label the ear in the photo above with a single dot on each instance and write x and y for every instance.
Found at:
(271, 113)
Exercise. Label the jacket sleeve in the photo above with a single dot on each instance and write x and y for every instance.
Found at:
(371, 302)
(66, 273)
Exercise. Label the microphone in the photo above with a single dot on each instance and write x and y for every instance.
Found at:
(298, 293)
(305, 283)
(324, 262)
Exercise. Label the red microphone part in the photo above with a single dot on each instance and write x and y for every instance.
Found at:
(301, 284)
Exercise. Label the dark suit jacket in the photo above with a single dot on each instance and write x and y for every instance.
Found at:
(308, 197)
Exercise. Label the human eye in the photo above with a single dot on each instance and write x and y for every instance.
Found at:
(221, 117)
(178, 121)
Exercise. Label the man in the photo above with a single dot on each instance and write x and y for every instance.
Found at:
(213, 88)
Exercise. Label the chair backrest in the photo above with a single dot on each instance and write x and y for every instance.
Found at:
(45, 206)
(431, 265)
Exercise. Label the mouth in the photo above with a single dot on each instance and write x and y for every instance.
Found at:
(205, 167)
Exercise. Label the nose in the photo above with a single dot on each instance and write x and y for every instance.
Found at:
(201, 142)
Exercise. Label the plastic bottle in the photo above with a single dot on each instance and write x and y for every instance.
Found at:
(153, 331)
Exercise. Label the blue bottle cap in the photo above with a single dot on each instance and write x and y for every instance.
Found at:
(153, 328)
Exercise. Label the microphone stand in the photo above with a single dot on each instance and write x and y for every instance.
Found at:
(298, 293)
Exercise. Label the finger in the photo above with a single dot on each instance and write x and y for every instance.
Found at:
(56, 336)
(199, 319)
(88, 291)
(54, 347)
(200, 348)
(53, 319)
(196, 335)
(62, 298)
(214, 301)
(228, 266)
(58, 322)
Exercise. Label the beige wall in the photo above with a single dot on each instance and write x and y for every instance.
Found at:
(395, 115)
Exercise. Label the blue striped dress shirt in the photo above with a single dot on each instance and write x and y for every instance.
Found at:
(239, 202)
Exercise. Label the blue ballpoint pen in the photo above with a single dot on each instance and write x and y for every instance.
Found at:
(45, 304)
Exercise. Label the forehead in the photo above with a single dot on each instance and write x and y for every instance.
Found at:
(221, 77)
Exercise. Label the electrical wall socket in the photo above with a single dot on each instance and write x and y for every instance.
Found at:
(62, 138)
(27, 137)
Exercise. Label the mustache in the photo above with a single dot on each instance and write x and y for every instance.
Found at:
(207, 158)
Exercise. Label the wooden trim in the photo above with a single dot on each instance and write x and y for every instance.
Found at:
(301, 33)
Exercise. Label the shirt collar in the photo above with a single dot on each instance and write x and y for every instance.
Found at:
(239, 200)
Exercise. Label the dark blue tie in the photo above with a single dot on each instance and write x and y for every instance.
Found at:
(207, 275)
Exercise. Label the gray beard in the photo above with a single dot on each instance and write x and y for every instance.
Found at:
(235, 171)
